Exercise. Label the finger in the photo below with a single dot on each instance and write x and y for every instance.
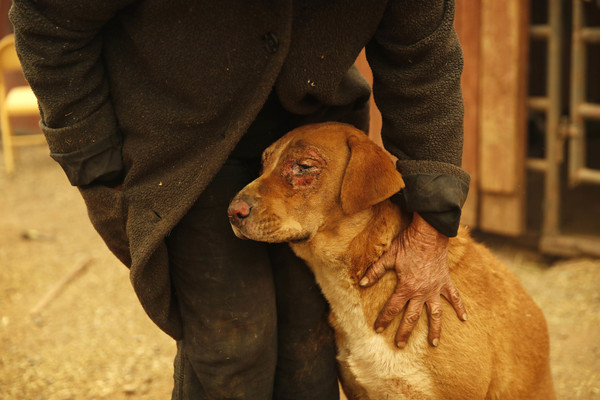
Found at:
(373, 274)
(434, 312)
(392, 308)
(451, 294)
(409, 320)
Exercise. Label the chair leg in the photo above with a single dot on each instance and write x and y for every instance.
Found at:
(7, 145)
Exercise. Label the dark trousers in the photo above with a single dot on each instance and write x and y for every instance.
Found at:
(255, 322)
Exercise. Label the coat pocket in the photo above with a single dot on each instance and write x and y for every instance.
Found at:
(107, 212)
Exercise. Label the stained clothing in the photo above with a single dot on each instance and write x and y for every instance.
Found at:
(157, 93)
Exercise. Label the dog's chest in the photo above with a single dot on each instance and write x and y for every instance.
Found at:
(374, 365)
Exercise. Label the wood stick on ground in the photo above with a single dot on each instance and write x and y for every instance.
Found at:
(79, 267)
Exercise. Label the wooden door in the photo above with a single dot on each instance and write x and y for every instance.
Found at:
(504, 43)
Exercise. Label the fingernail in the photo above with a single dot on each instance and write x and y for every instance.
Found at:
(379, 330)
(401, 344)
(435, 342)
(364, 281)
(464, 317)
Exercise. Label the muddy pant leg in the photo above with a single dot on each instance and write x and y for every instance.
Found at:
(306, 366)
(224, 286)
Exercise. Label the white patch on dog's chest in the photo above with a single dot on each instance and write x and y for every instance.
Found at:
(394, 374)
(381, 370)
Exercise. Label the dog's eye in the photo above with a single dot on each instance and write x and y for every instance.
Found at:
(302, 172)
(304, 166)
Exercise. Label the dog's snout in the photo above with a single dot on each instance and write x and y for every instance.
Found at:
(238, 211)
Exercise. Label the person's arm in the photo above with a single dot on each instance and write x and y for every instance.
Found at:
(417, 63)
(59, 43)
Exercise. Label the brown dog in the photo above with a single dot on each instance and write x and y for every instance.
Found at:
(324, 189)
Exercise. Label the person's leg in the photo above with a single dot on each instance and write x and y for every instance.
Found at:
(224, 286)
(306, 365)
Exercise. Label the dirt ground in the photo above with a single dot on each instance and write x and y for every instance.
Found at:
(92, 340)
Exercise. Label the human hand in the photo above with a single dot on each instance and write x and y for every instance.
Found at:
(420, 257)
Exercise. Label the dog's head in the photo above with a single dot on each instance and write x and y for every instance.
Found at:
(310, 175)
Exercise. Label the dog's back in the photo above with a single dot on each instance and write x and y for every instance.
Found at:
(505, 319)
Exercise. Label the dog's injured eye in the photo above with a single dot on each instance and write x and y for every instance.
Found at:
(305, 167)
(301, 172)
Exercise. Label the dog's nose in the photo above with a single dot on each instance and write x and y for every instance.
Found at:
(238, 210)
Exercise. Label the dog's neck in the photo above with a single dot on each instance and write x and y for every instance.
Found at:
(339, 255)
(355, 241)
(385, 223)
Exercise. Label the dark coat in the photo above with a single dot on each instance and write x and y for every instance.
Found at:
(159, 92)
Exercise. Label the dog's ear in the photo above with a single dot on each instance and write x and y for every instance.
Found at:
(370, 176)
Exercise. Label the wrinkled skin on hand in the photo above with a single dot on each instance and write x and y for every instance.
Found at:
(419, 255)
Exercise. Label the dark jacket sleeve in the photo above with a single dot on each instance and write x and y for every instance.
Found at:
(416, 60)
(59, 43)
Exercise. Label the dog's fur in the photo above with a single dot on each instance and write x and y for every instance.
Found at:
(324, 189)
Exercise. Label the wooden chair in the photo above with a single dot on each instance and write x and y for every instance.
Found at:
(14, 102)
